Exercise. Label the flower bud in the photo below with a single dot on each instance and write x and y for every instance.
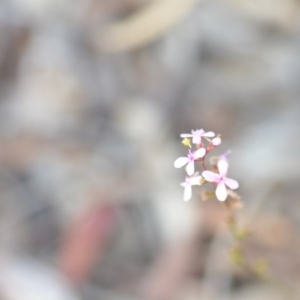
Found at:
(216, 141)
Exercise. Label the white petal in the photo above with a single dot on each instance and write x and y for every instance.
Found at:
(210, 176)
(221, 192)
(225, 155)
(199, 153)
(196, 140)
(216, 141)
(180, 162)
(222, 166)
(195, 180)
(231, 183)
(185, 135)
(190, 169)
(209, 134)
(198, 132)
(187, 194)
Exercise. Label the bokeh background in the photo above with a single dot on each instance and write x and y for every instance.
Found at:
(93, 97)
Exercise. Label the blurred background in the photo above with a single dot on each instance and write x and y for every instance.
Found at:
(93, 97)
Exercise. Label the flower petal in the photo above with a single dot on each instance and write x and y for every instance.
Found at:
(196, 140)
(225, 156)
(195, 180)
(222, 166)
(199, 153)
(221, 192)
(180, 162)
(209, 134)
(187, 194)
(184, 135)
(231, 183)
(210, 176)
(198, 131)
(190, 168)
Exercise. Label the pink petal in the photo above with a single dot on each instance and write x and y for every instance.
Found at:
(210, 176)
(216, 141)
(190, 168)
(180, 162)
(221, 192)
(231, 183)
(222, 166)
(198, 132)
(196, 140)
(185, 135)
(187, 194)
(199, 153)
(209, 134)
(195, 180)
(225, 156)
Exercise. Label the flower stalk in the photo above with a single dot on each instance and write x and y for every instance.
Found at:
(224, 190)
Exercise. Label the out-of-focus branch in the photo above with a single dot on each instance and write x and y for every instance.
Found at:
(144, 26)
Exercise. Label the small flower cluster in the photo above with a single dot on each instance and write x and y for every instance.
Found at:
(218, 177)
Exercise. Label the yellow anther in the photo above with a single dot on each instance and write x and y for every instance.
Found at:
(187, 142)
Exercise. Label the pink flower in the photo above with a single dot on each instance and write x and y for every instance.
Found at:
(197, 135)
(189, 160)
(221, 180)
(187, 184)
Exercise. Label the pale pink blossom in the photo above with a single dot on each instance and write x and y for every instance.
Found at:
(216, 141)
(189, 160)
(221, 180)
(187, 184)
(197, 135)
